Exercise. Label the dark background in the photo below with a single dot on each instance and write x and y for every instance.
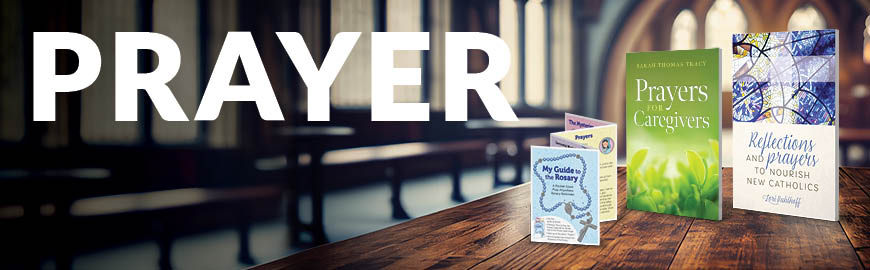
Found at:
(568, 57)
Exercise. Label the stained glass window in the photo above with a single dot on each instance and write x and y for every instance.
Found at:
(806, 17)
(724, 19)
(684, 32)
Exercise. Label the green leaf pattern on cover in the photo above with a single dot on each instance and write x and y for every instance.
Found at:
(693, 192)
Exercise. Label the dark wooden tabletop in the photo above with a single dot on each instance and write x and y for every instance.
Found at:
(493, 233)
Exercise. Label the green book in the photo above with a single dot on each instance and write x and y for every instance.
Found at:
(673, 130)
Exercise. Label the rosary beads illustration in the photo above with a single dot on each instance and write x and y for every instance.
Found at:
(569, 205)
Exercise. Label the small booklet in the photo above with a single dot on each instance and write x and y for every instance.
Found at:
(588, 133)
(565, 195)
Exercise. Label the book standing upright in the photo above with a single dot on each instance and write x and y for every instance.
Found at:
(785, 123)
(673, 130)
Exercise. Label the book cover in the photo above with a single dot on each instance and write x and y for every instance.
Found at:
(590, 133)
(785, 123)
(564, 195)
(673, 130)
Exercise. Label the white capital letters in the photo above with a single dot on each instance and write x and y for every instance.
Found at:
(318, 81)
(385, 76)
(46, 83)
(128, 81)
(239, 45)
(458, 81)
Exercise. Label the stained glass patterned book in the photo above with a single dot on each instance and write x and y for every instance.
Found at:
(785, 122)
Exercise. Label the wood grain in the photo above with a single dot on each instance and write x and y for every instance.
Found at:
(864, 255)
(493, 233)
(628, 243)
(855, 207)
(454, 238)
(636, 240)
(750, 239)
(517, 256)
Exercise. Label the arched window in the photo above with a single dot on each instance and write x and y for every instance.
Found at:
(684, 32)
(806, 17)
(724, 19)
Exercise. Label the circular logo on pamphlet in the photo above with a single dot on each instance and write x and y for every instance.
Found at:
(606, 145)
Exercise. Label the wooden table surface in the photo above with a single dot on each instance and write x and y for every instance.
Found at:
(493, 233)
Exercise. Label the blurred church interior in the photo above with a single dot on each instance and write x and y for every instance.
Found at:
(87, 192)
